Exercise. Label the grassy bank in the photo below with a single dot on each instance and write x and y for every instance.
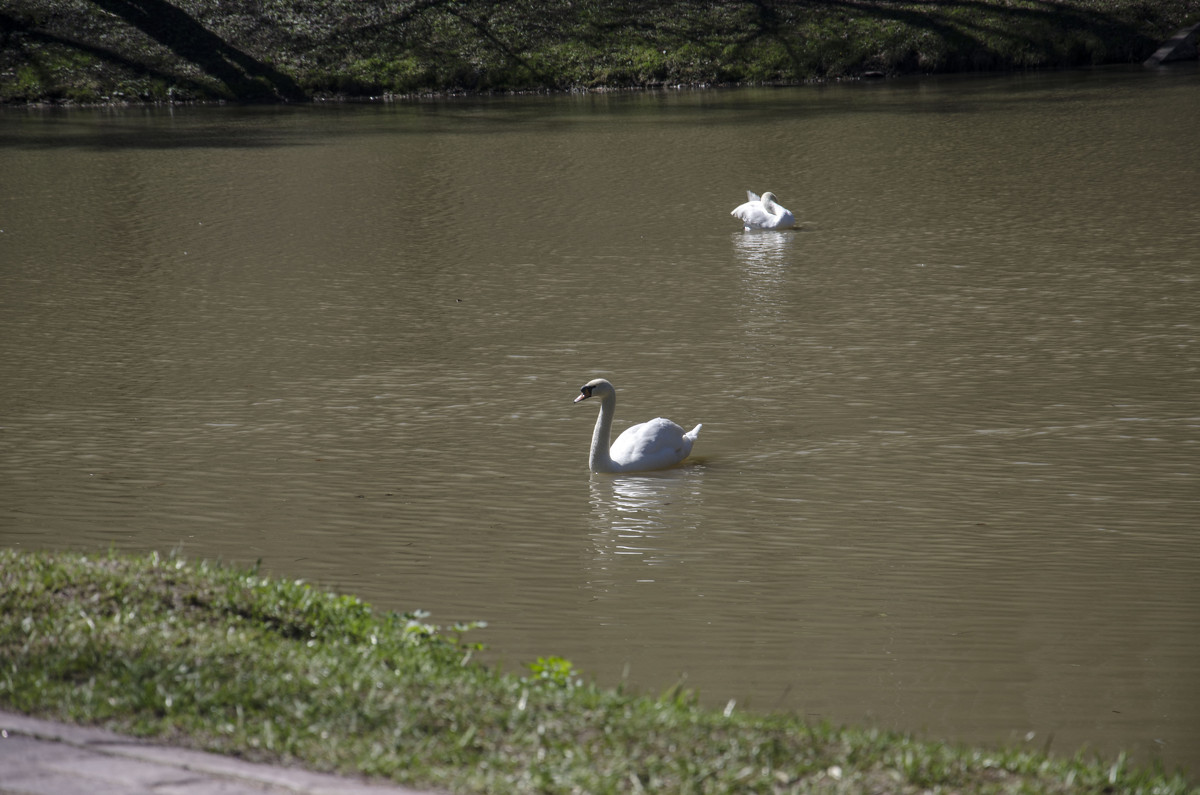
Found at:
(227, 660)
(152, 50)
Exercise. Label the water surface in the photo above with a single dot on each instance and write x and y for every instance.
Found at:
(948, 477)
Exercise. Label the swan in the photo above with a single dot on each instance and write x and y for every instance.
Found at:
(764, 213)
(656, 444)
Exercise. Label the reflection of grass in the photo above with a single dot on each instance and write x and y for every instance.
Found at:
(262, 49)
(235, 662)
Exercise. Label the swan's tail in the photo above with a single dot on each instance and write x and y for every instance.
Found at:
(694, 432)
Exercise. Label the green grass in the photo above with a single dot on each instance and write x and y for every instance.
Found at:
(228, 660)
(107, 50)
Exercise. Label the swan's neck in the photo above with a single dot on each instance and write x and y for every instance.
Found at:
(599, 460)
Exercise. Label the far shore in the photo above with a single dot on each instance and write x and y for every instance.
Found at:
(63, 53)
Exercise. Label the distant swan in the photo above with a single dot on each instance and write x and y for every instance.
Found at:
(656, 444)
(764, 213)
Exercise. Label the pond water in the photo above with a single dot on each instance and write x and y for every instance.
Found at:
(949, 476)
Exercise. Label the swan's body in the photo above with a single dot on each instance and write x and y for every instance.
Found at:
(764, 213)
(656, 444)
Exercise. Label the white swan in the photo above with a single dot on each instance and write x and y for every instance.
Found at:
(764, 213)
(656, 444)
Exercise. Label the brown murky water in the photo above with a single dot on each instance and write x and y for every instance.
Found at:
(949, 477)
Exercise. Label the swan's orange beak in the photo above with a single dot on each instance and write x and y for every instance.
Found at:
(582, 396)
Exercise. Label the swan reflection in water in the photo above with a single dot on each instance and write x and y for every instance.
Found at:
(762, 254)
(764, 257)
(640, 522)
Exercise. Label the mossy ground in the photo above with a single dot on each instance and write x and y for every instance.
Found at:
(228, 660)
(270, 50)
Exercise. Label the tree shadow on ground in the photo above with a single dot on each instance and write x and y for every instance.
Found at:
(16, 33)
(243, 76)
(970, 34)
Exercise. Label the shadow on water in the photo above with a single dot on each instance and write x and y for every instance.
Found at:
(147, 129)
(263, 126)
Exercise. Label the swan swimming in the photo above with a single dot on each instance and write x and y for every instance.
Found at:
(656, 444)
(764, 213)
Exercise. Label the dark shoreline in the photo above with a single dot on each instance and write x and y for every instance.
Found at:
(134, 52)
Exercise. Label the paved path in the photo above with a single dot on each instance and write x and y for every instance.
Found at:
(41, 757)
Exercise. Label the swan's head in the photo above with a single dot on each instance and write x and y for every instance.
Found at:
(595, 388)
(768, 197)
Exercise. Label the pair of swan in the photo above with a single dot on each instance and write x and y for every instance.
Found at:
(660, 443)
(656, 444)
(764, 213)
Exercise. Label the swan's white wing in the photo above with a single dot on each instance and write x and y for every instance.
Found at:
(752, 214)
(655, 444)
(757, 215)
(751, 196)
